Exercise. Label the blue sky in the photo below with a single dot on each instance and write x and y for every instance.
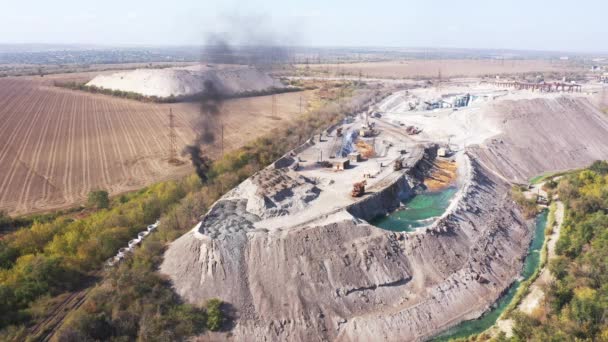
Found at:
(579, 25)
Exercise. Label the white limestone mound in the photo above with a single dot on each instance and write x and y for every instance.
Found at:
(187, 81)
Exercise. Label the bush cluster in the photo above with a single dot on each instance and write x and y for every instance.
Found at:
(577, 299)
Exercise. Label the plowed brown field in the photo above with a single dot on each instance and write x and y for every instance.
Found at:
(57, 145)
(448, 68)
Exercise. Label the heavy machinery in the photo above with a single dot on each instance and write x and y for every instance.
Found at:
(398, 164)
(358, 189)
(412, 130)
(339, 131)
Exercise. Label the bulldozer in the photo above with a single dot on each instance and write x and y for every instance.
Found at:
(358, 189)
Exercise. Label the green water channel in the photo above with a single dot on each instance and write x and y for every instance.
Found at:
(419, 211)
(531, 263)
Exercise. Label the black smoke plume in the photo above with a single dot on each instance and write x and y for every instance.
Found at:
(200, 162)
(208, 125)
(248, 42)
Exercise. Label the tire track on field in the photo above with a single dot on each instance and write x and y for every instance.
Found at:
(143, 152)
(67, 175)
(125, 135)
(52, 160)
(14, 88)
(8, 97)
(22, 146)
(35, 158)
(136, 128)
(17, 127)
(149, 115)
(180, 116)
(11, 109)
(86, 174)
(21, 157)
(115, 144)
(100, 147)
(6, 146)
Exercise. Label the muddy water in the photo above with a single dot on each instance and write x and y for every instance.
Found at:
(532, 262)
(420, 211)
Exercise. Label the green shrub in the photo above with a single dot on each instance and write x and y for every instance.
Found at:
(99, 199)
(215, 316)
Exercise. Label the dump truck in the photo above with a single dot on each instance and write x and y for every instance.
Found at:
(398, 165)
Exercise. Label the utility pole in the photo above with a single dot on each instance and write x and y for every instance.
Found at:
(222, 139)
(172, 138)
(300, 104)
(274, 101)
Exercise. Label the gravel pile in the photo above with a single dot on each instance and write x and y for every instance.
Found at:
(228, 217)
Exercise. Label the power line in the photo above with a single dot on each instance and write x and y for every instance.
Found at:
(222, 139)
(274, 100)
(172, 138)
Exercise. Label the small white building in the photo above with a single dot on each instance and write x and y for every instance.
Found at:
(442, 152)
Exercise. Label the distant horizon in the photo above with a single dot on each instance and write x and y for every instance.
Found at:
(92, 46)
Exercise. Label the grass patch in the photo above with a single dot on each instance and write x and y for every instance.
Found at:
(527, 205)
(544, 176)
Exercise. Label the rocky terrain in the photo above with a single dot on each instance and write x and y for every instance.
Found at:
(186, 81)
(336, 277)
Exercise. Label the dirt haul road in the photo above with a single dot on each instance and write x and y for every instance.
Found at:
(297, 258)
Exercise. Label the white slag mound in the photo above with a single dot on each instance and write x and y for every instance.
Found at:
(180, 82)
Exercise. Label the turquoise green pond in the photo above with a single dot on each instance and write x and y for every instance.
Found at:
(531, 263)
(419, 211)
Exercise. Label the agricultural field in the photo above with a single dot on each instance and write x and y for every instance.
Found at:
(56, 145)
(449, 68)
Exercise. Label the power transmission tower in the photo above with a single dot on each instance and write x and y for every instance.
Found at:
(300, 104)
(172, 138)
(274, 101)
(222, 139)
(439, 80)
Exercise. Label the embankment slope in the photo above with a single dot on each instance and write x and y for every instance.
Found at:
(347, 280)
(544, 134)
